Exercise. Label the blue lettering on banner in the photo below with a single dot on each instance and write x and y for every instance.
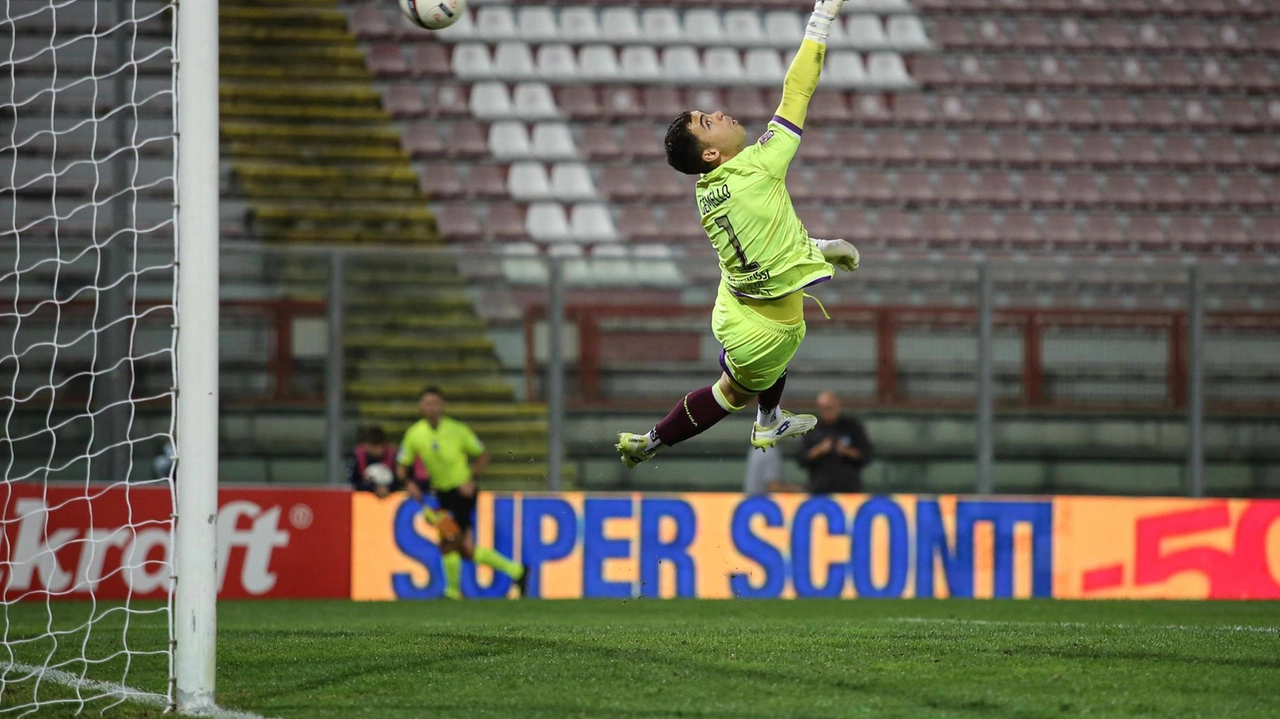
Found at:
(503, 541)
(421, 550)
(653, 551)
(899, 546)
(756, 549)
(1005, 516)
(536, 551)
(931, 541)
(802, 548)
(596, 548)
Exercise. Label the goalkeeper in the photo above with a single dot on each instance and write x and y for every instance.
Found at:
(767, 258)
(454, 458)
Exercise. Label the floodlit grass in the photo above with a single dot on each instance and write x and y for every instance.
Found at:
(737, 659)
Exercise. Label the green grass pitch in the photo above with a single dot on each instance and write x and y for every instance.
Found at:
(731, 660)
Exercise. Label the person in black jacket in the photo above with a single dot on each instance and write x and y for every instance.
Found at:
(835, 452)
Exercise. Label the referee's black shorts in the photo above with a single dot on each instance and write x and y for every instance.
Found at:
(462, 508)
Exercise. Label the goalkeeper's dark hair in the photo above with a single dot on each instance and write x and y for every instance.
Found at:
(373, 434)
(684, 150)
(431, 389)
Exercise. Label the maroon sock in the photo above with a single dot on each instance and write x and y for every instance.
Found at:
(772, 397)
(691, 416)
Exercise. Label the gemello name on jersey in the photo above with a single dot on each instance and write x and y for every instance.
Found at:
(715, 198)
(727, 546)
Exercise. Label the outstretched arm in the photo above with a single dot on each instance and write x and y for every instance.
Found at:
(806, 67)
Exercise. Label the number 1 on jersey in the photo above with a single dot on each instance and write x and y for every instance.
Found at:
(745, 266)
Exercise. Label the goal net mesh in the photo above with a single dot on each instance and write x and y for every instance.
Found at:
(87, 373)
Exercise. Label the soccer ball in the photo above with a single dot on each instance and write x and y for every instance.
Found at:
(379, 474)
(434, 14)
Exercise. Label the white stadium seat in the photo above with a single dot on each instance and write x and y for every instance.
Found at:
(571, 182)
(742, 27)
(579, 24)
(782, 27)
(509, 140)
(557, 62)
(702, 27)
(490, 101)
(527, 181)
(906, 33)
(592, 223)
(878, 6)
(764, 67)
(537, 23)
(471, 62)
(522, 263)
(534, 101)
(724, 65)
(513, 61)
(546, 222)
(640, 64)
(598, 63)
(681, 64)
(661, 26)
(553, 141)
(620, 25)
(611, 266)
(577, 269)
(844, 69)
(887, 69)
(656, 266)
(866, 32)
(495, 23)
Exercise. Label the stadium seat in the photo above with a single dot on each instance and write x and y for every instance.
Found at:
(936, 229)
(725, 65)
(537, 24)
(579, 102)
(522, 264)
(527, 181)
(1038, 189)
(870, 109)
(912, 108)
(534, 101)
(871, 186)
(1247, 192)
(490, 182)
(611, 266)
(844, 69)
(853, 225)
(467, 139)
(440, 181)
(448, 99)
(1057, 149)
(702, 27)
(636, 223)
(367, 22)
(661, 102)
(579, 25)
(1124, 191)
(906, 34)
(546, 222)
(491, 101)
(599, 142)
(471, 61)
(598, 63)
(1062, 232)
(403, 100)
(914, 187)
(422, 140)
(430, 60)
(661, 26)
(782, 27)
(639, 64)
(1138, 150)
(1180, 150)
(742, 27)
(1080, 190)
(1221, 151)
(849, 145)
(553, 141)
(656, 266)
(619, 184)
(1116, 113)
(620, 25)
(513, 61)
(891, 148)
(978, 231)
(1099, 150)
(895, 229)
(886, 69)
(576, 267)
(1162, 191)
(707, 99)
(1145, 232)
(1019, 231)
(1204, 191)
(764, 66)
(996, 188)
(571, 182)
(1016, 149)
(1188, 233)
(385, 60)
(495, 23)
(1012, 72)
(866, 32)
(457, 222)
(833, 185)
(1261, 152)
(660, 183)
(974, 149)
(509, 140)
(592, 223)
(955, 188)
(505, 221)
(828, 107)
(556, 63)
(934, 148)
(462, 30)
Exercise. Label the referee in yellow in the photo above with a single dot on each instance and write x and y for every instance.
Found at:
(454, 458)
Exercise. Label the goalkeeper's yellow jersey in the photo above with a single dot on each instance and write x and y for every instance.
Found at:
(445, 451)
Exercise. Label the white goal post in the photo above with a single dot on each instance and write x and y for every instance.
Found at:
(109, 234)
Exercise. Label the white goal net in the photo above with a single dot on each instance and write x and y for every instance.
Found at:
(88, 256)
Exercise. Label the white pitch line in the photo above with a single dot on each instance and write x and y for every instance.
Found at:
(1090, 625)
(117, 690)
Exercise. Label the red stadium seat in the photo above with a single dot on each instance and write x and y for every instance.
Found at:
(618, 183)
(598, 142)
(800, 185)
(1151, 36)
(1163, 191)
(975, 149)
(1240, 115)
(1187, 233)
(1124, 191)
(1099, 151)
(915, 187)
(1196, 114)
(935, 147)
(978, 231)
(404, 100)
(1094, 72)
(1019, 231)
(386, 61)
(622, 103)
(1138, 150)
(854, 226)
(431, 60)
(1204, 191)
(1146, 233)
(422, 139)
(833, 184)
(1190, 37)
(440, 181)
(912, 108)
(1039, 188)
(850, 145)
(748, 104)
(367, 22)
(1061, 231)
(1080, 190)
(956, 188)
(579, 102)
(890, 147)
(829, 107)
(1228, 232)
(953, 109)
(505, 221)
(1221, 151)
(1016, 149)
(663, 184)
(1265, 232)
(1116, 113)
(636, 223)
(870, 109)
(1103, 231)
(457, 222)
(1180, 150)
(1246, 191)
(1111, 36)
(1262, 152)
(990, 34)
(895, 229)
(936, 229)
(871, 186)
(1076, 112)
(1012, 72)
(661, 102)
(1031, 34)
(950, 33)
(813, 217)
(1253, 74)
(995, 188)
(468, 139)
(1174, 72)
(1134, 74)
(487, 181)
(710, 99)
(1156, 112)
(928, 71)
(1057, 149)
(1053, 74)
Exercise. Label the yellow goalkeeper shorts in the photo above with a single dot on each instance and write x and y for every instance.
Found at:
(757, 350)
